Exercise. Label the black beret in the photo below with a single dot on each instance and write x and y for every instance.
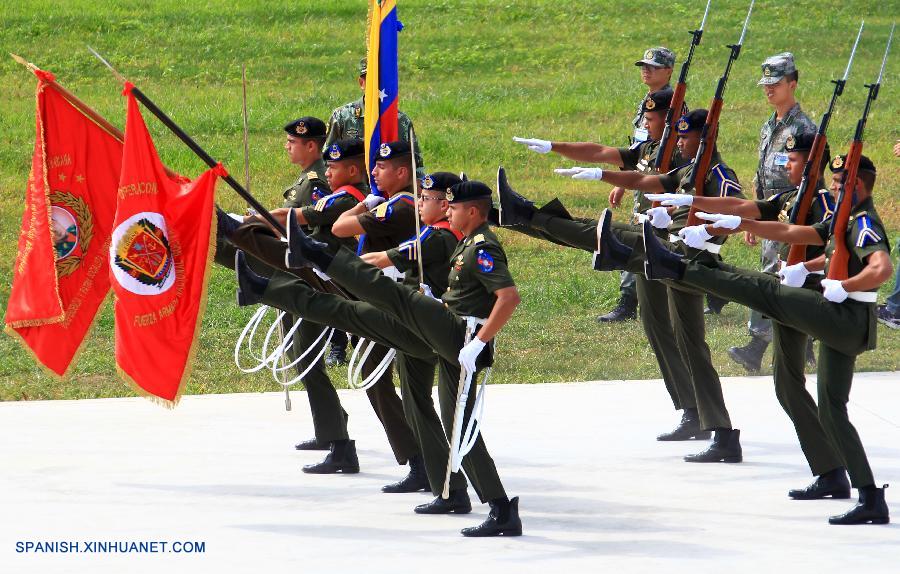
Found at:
(467, 191)
(657, 101)
(865, 164)
(440, 181)
(350, 148)
(799, 142)
(692, 121)
(306, 127)
(391, 150)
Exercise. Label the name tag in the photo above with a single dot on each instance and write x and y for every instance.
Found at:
(640, 135)
(781, 159)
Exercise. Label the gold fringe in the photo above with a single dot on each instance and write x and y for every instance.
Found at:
(143, 393)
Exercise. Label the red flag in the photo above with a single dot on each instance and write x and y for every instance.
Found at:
(160, 256)
(60, 277)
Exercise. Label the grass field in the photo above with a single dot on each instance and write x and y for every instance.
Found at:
(473, 74)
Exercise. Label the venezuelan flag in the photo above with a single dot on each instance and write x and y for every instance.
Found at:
(382, 80)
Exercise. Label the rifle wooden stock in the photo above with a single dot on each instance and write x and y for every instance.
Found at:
(705, 152)
(840, 258)
(808, 188)
(668, 140)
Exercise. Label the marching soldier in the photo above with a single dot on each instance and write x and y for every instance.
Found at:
(840, 313)
(779, 83)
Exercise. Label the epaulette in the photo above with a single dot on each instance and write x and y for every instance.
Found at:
(478, 239)
(312, 175)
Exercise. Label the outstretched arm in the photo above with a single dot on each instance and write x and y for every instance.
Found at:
(783, 232)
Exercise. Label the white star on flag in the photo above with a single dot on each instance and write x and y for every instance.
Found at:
(381, 95)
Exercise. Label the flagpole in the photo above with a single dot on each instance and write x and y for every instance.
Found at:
(194, 146)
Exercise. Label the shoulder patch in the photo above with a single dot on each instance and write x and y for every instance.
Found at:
(727, 185)
(478, 239)
(381, 212)
(312, 175)
(867, 235)
(827, 204)
(484, 261)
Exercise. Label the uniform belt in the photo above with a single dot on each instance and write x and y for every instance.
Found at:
(863, 296)
(707, 246)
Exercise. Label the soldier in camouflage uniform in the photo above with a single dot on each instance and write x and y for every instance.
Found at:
(779, 82)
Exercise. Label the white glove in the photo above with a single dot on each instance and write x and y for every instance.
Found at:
(833, 290)
(236, 217)
(425, 289)
(721, 221)
(671, 199)
(373, 200)
(540, 146)
(793, 275)
(659, 217)
(469, 353)
(581, 172)
(695, 236)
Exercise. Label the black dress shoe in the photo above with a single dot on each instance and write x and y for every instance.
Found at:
(514, 208)
(342, 458)
(832, 484)
(726, 447)
(313, 444)
(251, 286)
(457, 503)
(415, 481)
(871, 508)
(503, 520)
(660, 263)
(225, 224)
(303, 250)
(337, 356)
(687, 429)
(611, 254)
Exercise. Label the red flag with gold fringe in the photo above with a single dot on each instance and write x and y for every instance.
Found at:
(160, 254)
(60, 278)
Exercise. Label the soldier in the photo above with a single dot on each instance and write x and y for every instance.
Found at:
(686, 306)
(789, 344)
(840, 314)
(655, 314)
(779, 82)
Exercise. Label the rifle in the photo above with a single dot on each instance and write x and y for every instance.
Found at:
(840, 259)
(710, 130)
(667, 141)
(813, 168)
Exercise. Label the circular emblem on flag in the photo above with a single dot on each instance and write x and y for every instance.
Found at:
(72, 229)
(838, 162)
(649, 104)
(790, 143)
(64, 230)
(683, 126)
(427, 182)
(140, 255)
(648, 55)
(334, 152)
(301, 128)
(485, 261)
(384, 150)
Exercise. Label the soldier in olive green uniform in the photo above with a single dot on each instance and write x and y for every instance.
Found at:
(789, 344)
(841, 316)
(653, 299)
(779, 81)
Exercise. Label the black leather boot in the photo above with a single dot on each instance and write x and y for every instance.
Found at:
(415, 481)
(611, 254)
(871, 508)
(659, 262)
(625, 310)
(251, 286)
(687, 429)
(313, 444)
(457, 503)
(750, 355)
(342, 458)
(503, 520)
(303, 250)
(833, 483)
(726, 447)
(515, 209)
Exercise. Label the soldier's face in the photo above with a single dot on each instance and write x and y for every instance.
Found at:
(688, 143)
(653, 76)
(654, 123)
(780, 92)
(460, 215)
(432, 206)
(390, 177)
(836, 179)
(795, 164)
(296, 149)
(339, 173)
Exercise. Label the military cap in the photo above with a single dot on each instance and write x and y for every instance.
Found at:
(692, 121)
(468, 190)
(306, 127)
(391, 150)
(839, 161)
(657, 101)
(777, 67)
(659, 57)
(363, 65)
(803, 143)
(345, 149)
(440, 181)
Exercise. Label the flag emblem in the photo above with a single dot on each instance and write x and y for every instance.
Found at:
(141, 257)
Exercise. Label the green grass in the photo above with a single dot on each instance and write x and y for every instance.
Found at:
(473, 74)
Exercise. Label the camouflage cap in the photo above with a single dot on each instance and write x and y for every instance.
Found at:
(468, 190)
(306, 127)
(391, 150)
(692, 121)
(657, 101)
(439, 181)
(346, 149)
(839, 161)
(659, 57)
(776, 67)
(363, 65)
